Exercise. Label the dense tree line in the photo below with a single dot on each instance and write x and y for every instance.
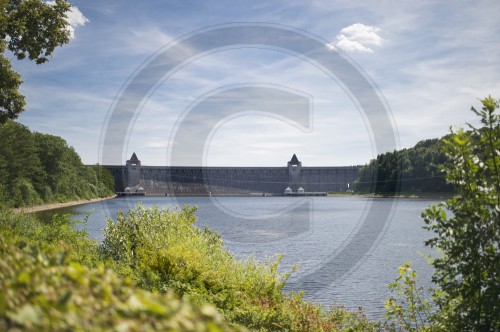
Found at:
(37, 168)
(414, 170)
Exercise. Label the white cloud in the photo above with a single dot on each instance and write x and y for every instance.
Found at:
(356, 37)
(75, 18)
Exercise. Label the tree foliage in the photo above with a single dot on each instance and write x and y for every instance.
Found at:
(36, 168)
(413, 170)
(29, 29)
(467, 227)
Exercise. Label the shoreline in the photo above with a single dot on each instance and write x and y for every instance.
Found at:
(52, 206)
(329, 194)
(402, 196)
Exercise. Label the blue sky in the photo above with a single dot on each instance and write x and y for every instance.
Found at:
(429, 60)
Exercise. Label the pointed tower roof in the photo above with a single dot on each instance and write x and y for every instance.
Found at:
(134, 159)
(294, 160)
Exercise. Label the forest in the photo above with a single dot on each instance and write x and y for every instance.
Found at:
(416, 170)
(38, 168)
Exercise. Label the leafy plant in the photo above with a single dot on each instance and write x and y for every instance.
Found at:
(409, 310)
(468, 272)
(164, 250)
(43, 291)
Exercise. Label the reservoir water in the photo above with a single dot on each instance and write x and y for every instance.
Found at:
(347, 248)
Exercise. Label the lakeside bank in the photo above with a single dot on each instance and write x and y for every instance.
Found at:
(400, 195)
(52, 206)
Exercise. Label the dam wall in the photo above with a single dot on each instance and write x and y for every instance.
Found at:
(178, 180)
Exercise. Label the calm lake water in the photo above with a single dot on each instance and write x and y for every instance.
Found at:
(347, 248)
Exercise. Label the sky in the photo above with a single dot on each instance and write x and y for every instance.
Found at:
(426, 62)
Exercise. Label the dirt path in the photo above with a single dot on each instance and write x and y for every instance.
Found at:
(50, 206)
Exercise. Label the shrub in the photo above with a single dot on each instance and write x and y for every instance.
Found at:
(468, 271)
(163, 250)
(43, 291)
(409, 310)
(23, 193)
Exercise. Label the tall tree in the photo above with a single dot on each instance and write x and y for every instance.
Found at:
(469, 269)
(32, 29)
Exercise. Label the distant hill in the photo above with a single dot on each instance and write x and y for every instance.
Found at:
(39, 168)
(414, 170)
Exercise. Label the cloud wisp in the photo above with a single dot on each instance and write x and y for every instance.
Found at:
(75, 18)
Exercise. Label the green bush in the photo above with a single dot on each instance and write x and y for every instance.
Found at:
(57, 235)
(163, 250)
(468, 272)
(23, 193)
(408, 310)
(467, 235)
(44, 291)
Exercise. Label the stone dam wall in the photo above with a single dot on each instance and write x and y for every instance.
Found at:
(174, 180)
